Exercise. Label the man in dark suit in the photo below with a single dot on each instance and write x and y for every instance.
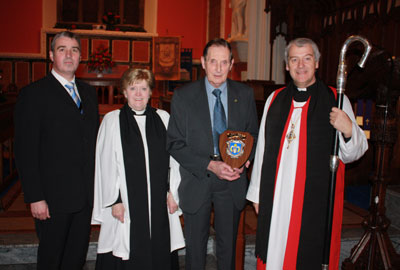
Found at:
(197, 111)
(56, 121)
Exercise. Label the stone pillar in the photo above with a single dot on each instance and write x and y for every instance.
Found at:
(259, 47)
(278, 60)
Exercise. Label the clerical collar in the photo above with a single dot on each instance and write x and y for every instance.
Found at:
(138, 113)
(303, 94)
(308, 88)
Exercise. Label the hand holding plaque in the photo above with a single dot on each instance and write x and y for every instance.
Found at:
(235, 147)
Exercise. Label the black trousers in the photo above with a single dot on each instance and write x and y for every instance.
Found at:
(197, 227)
(107, 261)
(174, 260)
(63, 240)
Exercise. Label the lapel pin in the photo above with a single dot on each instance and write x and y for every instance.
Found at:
(235, 100)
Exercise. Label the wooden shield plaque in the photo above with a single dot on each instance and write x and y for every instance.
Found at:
(235, 147)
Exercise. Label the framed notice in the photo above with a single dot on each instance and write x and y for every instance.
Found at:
(167, 58)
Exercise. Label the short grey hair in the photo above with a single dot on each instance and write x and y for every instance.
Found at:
(67, 34)
(301, 42)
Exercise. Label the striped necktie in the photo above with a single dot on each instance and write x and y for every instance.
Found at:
(71, 88)
(219, 122)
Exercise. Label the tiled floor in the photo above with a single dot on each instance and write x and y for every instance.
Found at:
(17, 230)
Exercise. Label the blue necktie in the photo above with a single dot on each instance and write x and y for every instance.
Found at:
(219, 120)
(74, 96)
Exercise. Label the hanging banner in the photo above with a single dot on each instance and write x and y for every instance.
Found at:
(167, 58)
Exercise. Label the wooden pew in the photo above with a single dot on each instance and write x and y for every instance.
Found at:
(9, 188)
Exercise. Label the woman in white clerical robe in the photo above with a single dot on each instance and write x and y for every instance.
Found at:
(132, 188)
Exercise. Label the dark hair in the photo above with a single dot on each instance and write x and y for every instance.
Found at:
(133, 75)
(218, 42)
(65, 34)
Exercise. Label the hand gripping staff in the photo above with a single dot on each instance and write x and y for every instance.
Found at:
(334, 159)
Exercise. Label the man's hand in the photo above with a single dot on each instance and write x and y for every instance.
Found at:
(341, 121)
(40, 210)
(240, 170)
(172, 205)
(118, 211)
(223, 171)
(255, 205)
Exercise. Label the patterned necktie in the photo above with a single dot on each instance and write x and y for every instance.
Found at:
(71, 88)
(219, 120)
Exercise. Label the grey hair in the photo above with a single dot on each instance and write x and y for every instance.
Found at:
(65, 34)
(301, 42)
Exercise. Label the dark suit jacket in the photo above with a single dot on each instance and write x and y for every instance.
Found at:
(190, 141)
(55, 144)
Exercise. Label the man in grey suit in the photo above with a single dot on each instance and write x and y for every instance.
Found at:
(197, 111)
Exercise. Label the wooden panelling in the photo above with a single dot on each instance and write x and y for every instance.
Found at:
(237, 69)
(8, 171)
(6, 67)
(38, 70)
(84, 49)
(49, 40)
(82, 71)
(133, 51)
(120, 51)
(120, 69)
(141, 51)
(22, 74)
(98, 43)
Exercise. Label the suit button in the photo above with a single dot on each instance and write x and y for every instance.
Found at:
(208, 175)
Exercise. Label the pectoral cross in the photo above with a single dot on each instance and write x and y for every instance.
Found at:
(291, 135)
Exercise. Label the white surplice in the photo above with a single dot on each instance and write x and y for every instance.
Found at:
(110, 182)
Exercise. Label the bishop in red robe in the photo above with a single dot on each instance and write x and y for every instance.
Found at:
(290, 180)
